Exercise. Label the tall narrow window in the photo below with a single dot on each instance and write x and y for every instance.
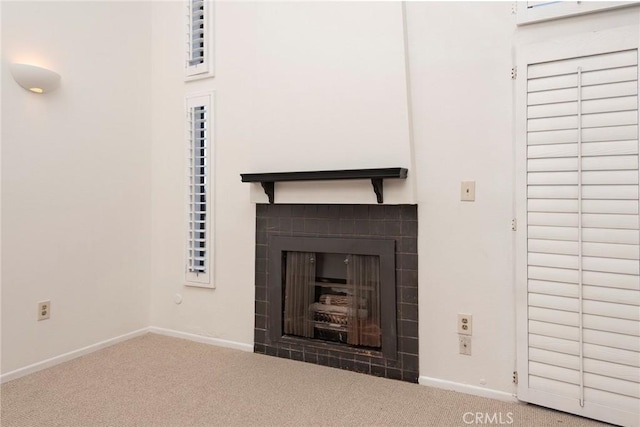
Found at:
(199, 40)
(199, 206)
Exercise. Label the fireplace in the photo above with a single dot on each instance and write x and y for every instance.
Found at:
(336, 285)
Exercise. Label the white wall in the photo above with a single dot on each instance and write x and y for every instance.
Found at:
(76, 176)
(299, 86)
(461, 91)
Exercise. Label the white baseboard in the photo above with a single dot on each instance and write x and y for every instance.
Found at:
(21, 372)
(468, 389)
(202, 339)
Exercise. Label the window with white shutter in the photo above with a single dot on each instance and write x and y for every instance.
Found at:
(579, 304)
(199, 39)
(199, 191)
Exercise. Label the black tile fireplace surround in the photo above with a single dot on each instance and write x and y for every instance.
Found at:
(397, 223)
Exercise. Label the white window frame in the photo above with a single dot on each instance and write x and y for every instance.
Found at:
(200, 279)
(563, 9)
(206, 68)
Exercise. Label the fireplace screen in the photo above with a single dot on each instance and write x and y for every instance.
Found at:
(333, 297)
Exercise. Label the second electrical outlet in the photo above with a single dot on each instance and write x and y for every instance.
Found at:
(465, 323)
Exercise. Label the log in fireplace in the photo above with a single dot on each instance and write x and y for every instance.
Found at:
(336, 285)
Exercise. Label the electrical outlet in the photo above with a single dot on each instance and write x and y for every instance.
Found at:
(44, 310)
(465, 323)
(465, 344)
(468, 191)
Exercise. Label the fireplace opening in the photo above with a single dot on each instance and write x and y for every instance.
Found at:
(332, 297)
(335, 290)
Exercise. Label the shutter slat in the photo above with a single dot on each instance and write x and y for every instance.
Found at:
(612, 339)
(613, 177)
(615, 385)
(553, 302)
(554, 344)
(553, 274)
(621, 296)
(617, 118)
(553, 316)
(553, 246)
(553, 233)
(550, 83)
(611, 192)
(552, 192)
(625, 207)
(554, 372)
(611, 75)
(613, 310)
(626, 222)
(552, 151)
(553, 110)
(599, 235)
(611, 250)
(612, 280)
(554, 387)
(605, 265)
(615, 133)
(553, 288)
(609, 354)
(551, 357)
(553, 123)
(553, 96)
(589, 192)
(609, 105)
(553, 178)
(554, 137)
(555, 220)
(612, 400)
(553, 205)
(610, 90)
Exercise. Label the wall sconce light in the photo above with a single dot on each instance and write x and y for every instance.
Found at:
(35, 79)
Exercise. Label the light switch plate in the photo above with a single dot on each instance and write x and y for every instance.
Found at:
(468, 191)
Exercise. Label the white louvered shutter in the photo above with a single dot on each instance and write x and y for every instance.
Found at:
(199, 39)
(199, 193)
(583, 236)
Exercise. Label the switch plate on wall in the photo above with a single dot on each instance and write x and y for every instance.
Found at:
(468, 191)
(465, 344)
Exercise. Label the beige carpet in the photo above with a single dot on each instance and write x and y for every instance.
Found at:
(158, 381)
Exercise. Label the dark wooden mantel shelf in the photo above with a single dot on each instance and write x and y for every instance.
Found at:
(376, 176)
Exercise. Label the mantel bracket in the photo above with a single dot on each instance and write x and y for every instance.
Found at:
(269, 189)
(377, 188)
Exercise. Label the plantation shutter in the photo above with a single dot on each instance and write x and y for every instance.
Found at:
(199, 53)
(583, 236)
(199, 190)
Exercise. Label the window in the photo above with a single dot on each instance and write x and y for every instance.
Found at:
(199, 39)
(199, 191)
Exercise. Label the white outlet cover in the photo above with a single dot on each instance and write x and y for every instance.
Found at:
(465, 324)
